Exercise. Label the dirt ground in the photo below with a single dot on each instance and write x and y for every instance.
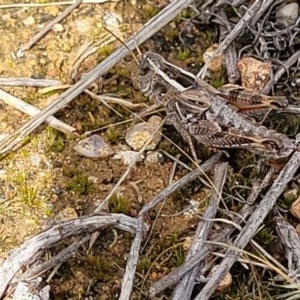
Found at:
(46, 179)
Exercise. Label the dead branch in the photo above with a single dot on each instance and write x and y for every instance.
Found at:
(290, 241)
(182, 182)
(251, 226)
(33, 111)
(28, 82)
(185, 287)
(133, 257)
(56, 233)
(217, 238)
(239, 27)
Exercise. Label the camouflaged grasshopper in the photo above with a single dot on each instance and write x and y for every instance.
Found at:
(213, 118)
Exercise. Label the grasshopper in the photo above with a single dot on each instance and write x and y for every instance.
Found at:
(214, 118)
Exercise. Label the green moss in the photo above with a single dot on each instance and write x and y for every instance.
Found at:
(54, 141)
(143, 265)
(171, 34)
(184, 54)
(218, 79)
(151, 11)
(101, 266)
(113, 134)
(106, 50)
(70, 171)
(118, 204)
(81, 184)
(178, 256)
(265, 236)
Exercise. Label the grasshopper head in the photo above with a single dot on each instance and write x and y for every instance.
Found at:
(147, 69)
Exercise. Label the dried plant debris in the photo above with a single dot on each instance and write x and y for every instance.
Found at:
(239, 248)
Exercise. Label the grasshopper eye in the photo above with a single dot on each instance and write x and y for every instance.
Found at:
(144, 67)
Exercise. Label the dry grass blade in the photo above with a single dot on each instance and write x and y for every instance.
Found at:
(150, 28)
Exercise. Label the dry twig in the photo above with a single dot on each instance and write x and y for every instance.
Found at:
(33, 111)
(185, 287)
(37, 37)
(51, 236)
(251, 226)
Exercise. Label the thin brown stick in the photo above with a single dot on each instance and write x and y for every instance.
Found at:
(37, 37)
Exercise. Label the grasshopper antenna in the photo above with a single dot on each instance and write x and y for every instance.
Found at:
(122, 42)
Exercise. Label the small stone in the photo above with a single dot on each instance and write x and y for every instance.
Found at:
(153, 158)
(66, 214)
(29, 21)
(53, 198)
(83, 26)
(6, 17)
(58, 28)
(128, 157)
(295, 209)
(35, 160)
(93, 147)
(288, 13)
(254, 73)
(226, 281)
(111, 19)
(139, 134)
(216, 64)
(192, 210)
(187, 243)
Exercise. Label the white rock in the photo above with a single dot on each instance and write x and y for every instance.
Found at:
(139, 134)
(128, 157)
(153, 158)
(288, 13)
(58, 28)
(93, 147)
(29, 21)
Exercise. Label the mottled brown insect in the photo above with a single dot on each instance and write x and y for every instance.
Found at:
(213, 118)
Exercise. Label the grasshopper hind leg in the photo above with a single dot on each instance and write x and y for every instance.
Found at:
(173, 120)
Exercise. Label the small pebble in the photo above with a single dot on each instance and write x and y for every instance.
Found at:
(288, 13)
(35, 160)
(254, 73)
(93, 147)
(139, 134)
(66, 214)
(216, 64)
(111, 19)
(226, 281)
(29, 21)
(153, 158)
(58, 28)
(128, 157)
